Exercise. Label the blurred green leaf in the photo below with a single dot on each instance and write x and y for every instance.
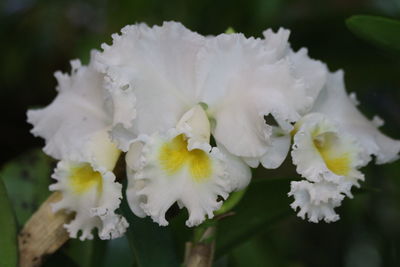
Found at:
(382, 32)
(8, 231)
(152, 245)
(265, 202)
(252, 253)
(118, 253)
(27, 179)
(85, 253)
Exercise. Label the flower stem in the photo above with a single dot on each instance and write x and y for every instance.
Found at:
(200, 252)
(231, 202)
(43, 234)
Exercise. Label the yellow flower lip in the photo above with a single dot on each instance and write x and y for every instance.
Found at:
(339, 162)
(83, 178)
(174, 156)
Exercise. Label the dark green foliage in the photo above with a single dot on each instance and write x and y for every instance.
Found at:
(27, 180)
(8, 231)
(151, 244)
(382, 32)
(265, 203)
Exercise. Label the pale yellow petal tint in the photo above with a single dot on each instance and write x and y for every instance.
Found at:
(174, 155)
(338, 161)
(83, 178)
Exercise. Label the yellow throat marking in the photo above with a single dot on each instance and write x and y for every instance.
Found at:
(83, 178)
(174, 155)
(337, 162)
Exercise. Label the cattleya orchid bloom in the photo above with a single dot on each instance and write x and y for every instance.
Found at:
(330, 145)
(193, 115)
(75, 126)
(188, 87)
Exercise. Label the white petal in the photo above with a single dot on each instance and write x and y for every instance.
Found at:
(75, 124)
(238, 172)
(316, 201)
(337, 105)
(312, 72)
(277, 43)
(343, 152)
(160, 187)
(157, 65)
(240, 85)
(196, 126)
(93, 195)
(122, 102)
(276, 152)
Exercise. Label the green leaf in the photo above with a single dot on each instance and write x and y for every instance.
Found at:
(27, 179)
(152, 245)
(8, 231)
(86, 253)
(382, 32)
(252, 253)
(118, 253)
(264, 203)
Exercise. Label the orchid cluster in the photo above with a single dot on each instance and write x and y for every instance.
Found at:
(188, 113)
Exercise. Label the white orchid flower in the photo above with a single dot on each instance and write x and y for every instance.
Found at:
(329, 160)
(75, 127)
(330, 145)
(180, 166)
(184, 88)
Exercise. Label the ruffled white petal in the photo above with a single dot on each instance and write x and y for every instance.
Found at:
(277, 44)
(122, 102)
(343, 150)
(75, 124)
(241, 84)
(312, 72)
(93, 197)
(338, 106)
(316, 201)
(157, 65)
(329, 160)
(160, 189)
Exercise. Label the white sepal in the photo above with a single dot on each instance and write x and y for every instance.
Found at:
(275, 153)
(334, 102)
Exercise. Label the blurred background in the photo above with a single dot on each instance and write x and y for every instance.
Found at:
(39, 37)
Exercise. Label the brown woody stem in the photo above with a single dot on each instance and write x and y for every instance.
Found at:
(43, 234)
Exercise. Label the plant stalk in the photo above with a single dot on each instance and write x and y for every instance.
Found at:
(43, 234)
(200, 252)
